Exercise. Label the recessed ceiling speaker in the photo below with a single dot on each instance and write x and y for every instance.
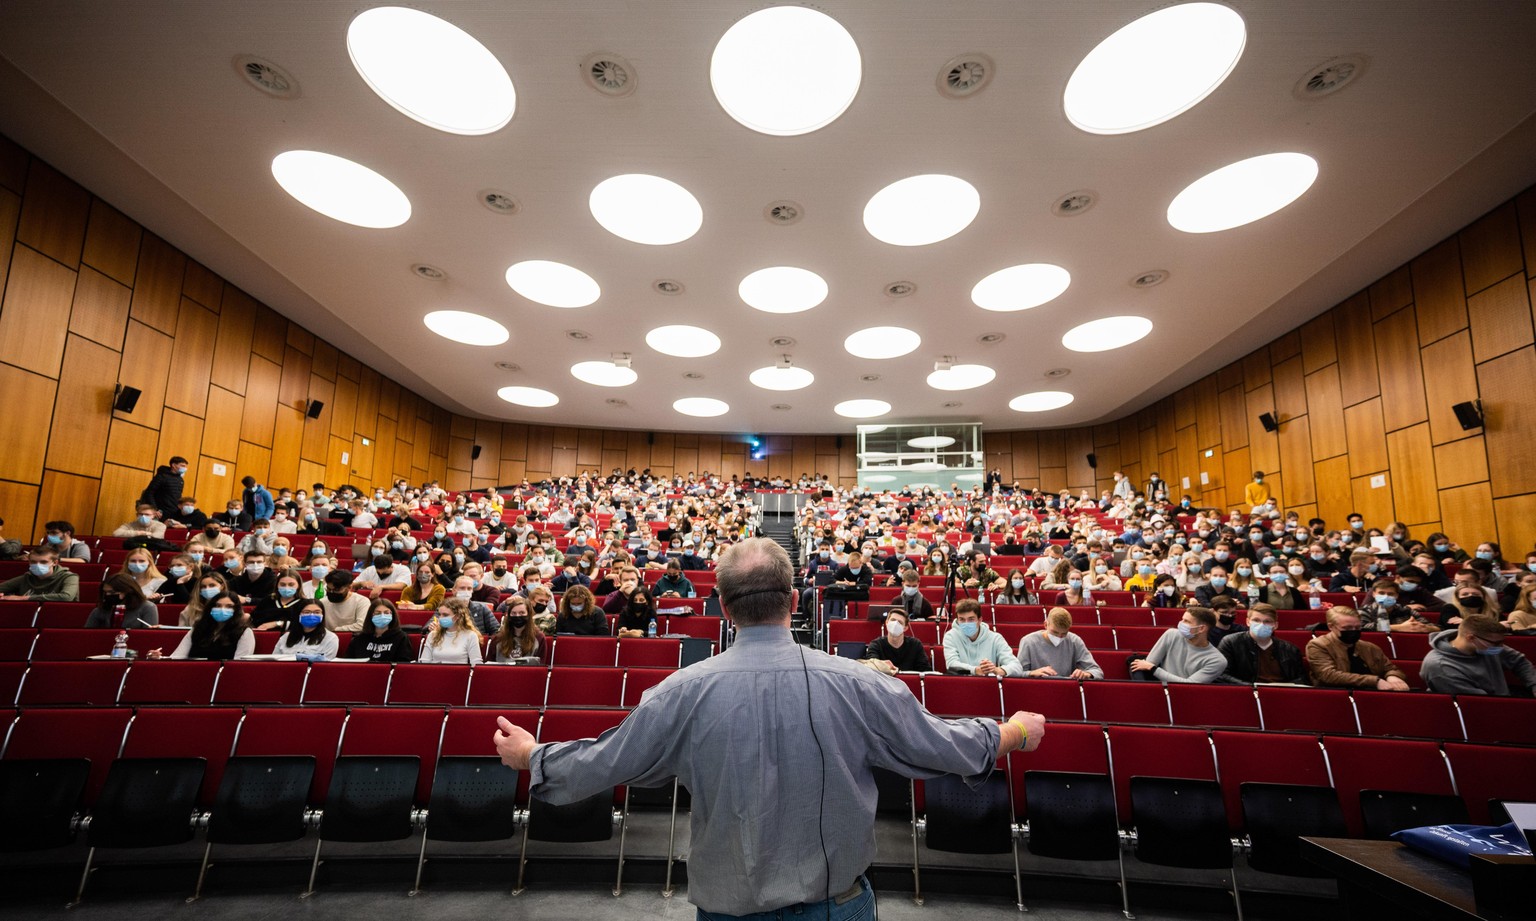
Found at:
(474, 453)
(315, 407)
(1093, 461)
(125, 399)
(1270, 423)
(1470, 415)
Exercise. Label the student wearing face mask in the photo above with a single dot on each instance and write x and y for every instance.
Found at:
(120, 589)
(1341, 659)
(1256, 656)
(211, 539)
(451, 637)
(1473, 660)
(1184, 654)
(307, 635)
(1017, 590)
(1219, 586)
(972, 647)
(1386, 608)
(519, 637)
(672, 584)
(896, 646)
(210, 585)
(255, 581)
(224, 633)
(139, 565)
(280, 611)
(911, 600)
(346, 611)
(500, 577)
(425, 591)
(1165, 593)
(1282, 592)
(381, 640)
(633, 604)
(1072, 595)
(1055, 651)
(580, 615)
(480, 613)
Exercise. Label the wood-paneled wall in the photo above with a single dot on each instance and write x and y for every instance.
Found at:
(1363, 393)
(91, 299)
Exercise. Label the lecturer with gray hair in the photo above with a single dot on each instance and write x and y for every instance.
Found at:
(777, 744)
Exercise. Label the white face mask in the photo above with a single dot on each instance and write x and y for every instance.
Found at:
(895, 628)
(1055, 640)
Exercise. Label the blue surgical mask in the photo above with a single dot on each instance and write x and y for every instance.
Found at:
(232, 565)
(1491, 651)
(221, 614)
(287, 591)
(137, 566)
(1018, 584)
(317, 573)
(1075, 583)
(909, 590)
(1219, 581)
(279, 550)
(178, 571)
(1386, 601)
(1144, 570)
(40, 569)
(578, 608)
(1481, 554)
(210, 593)
(445, 621)
(855, 569)
(1244, 571)
(1442, 548)
(1280, 578)
(382, 621)
(1262, 631)
(969, 630)
(55, 539)
(1185, 630)
(310, 621)
(1408, 586)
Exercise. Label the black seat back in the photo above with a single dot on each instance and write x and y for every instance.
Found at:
(474, 798)
(966, 821)
(1071, 815)
(147, 802)
(1387, 811)
(370, 798)
(261, 800)
(1276, 814)
(38, 798)
(1180, 822)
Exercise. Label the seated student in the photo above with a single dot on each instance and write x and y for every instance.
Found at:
(451, 636)
(1472, 659)
(210, 585)
(1056, 652)
(480, 613)
(225, 633)
(1017, 591)
(579, 614)
(1217, 587)
(1282, 593)
(381, 575)
(904, 652)
(180, 579)
(307, 635)
(1101, 577)
(978, 575)
(424, 592)
(972, 646)
(1225, 610)
(147, 526)
(61, 537)
(633, 603)
(234, 517)
(1413, 591)
(1360, 573)
(1468, 598)
(911, 600)
(500, 577)
(120, 589)
(382, 640)
(1073, 596)
(480, 590)
(139, 566)
(255, 582)
(44, 580)
(1165, 593)
(1060, 576)
(1385, 609)
(854, 575)
(346, 611)
(187, 515)
(1257, 657)
(673, 584)
(1509, 595)
(1184, 654)
(260, 539)
(1522, 618)
(281, 610)
(518, 637)
(1341, 659)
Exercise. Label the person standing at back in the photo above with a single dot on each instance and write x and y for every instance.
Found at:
(784, 735)
(164, 489)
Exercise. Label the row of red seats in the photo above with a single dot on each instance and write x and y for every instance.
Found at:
(116, 683)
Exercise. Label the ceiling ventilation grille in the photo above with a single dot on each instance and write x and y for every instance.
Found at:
(965, 75)
(990, 338)
(1329, 77)
(900, 288)
(1057, 373)
(609, 74)
(1074, 203)
(267, 77)
(1150, 279)
(668, 286)
(783, 212)
(781, 342)
(509, 366)
(499, 201)
(429, 272)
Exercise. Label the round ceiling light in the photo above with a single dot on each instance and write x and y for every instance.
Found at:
(1020, 287)
(1155, 68)
(683, 341)
(701, 406)
(1040, 401)
(873, 429)
(603, 373)
(926, 465)
(879, 478)
(1107, 333)
(553, 284)
(920, 210)
(882, 342)
(1242, 192)
(862, 409)
(931, 441)
(465, 327)
(785, 70)
(528, 396)
(431, 70)
(783, 289)
(961, 377)
(341, 189)
(775, 377)
(646, 209)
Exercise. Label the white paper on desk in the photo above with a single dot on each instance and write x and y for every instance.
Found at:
(1524, 817)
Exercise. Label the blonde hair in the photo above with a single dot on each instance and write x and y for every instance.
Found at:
(460, 610)
(1060, 618)
(153, 572)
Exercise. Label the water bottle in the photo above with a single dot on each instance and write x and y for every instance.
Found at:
(1253, 593)
(1383, 622)
(320, 590)
(120, 645)
(1314, 600)
(651, 629)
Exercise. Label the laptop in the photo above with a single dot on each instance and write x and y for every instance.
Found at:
(825, 577)
(882, 611)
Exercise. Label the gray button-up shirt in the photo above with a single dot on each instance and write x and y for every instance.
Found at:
(737, 730)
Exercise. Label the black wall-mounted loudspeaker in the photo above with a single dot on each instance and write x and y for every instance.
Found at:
(1470, 415)
(1270, 423)
(1093, 461)
(474, 453)
(315, 406)
(125, 399)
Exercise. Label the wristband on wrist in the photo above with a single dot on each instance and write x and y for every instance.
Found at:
(1022, 730)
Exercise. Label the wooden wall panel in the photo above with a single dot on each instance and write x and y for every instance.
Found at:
(71, 498)
(1296, 462)
(1413, 474)
(1449, 378)
(54, 212)
(317, 432)
(1461, 462)
(1263, 447)
(232, 349)
(1397, 354)
(1325, 408)
(1335, 493)
(1374, 501)
(1509, 413)
(83, 413)
(343, 406)
(260, 411)
(112, 243)
(146, 362)
(221, 428)
(488, 437)
(1290, 390)
(1516, 519)
(1500, 318)
(130, 445)
(29, 408)
(197, 331)
(1466, 513)
(1438, 294)
(10, 212)
(1367, 438)
(1391, 293)
(202, 286)
(100, 311)
(19, 500)
(34, 317)
(1358, 379)
(157, 287)
(181, 435)
(1490, 248)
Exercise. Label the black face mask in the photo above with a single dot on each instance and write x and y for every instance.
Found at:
(1350, 637)
(211, 531)
(517, 622)
(1226, 620)
(1472, 602)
